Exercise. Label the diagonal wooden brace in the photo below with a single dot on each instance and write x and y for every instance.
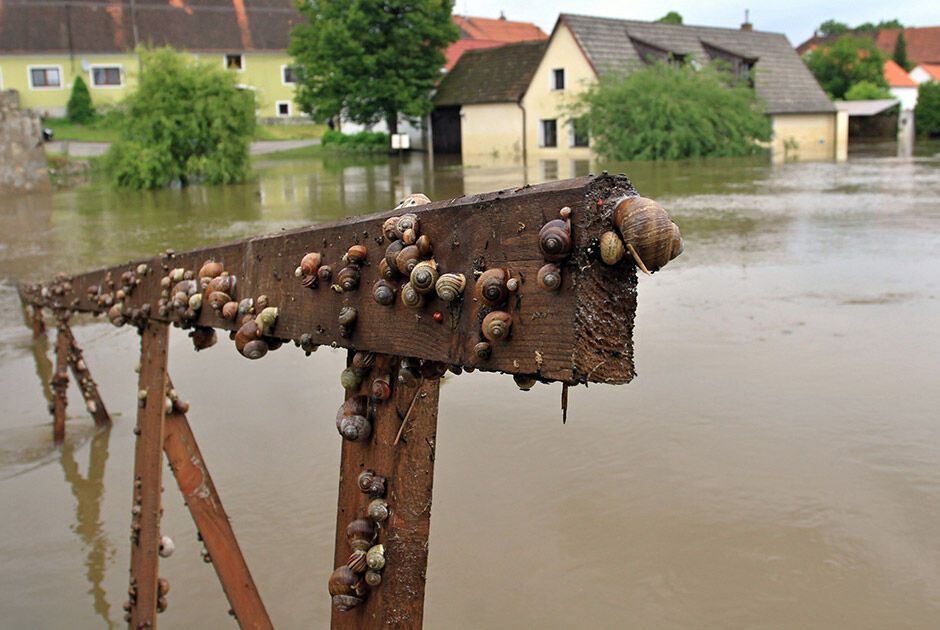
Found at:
(86, 384)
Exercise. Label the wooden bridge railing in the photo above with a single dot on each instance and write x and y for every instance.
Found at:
(538, 282)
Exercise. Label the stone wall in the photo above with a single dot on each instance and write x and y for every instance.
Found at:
(22, 156)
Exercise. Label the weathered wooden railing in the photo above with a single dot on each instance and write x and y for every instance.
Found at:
(538, 282)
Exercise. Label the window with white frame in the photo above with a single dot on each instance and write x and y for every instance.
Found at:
(45, 77)
(283, 108)
(235, 61)
(558, 79)
(288, 75)
(548, 133)
(107, 76)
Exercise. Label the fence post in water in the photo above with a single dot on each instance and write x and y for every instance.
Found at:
(60, 378)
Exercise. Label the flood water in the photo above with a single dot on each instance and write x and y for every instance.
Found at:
(776, 462)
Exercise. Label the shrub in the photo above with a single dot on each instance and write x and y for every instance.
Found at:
(845, 62)
(186, 122)
(664, 112)
(80, 109)
(361, 141)
(927, 111)
(866, 90)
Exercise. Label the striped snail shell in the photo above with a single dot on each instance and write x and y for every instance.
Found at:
(310, 263)
(555, 240)
(389, 228)
(357, 561)
(407, 258)
(496, 325)
(411, 297)
(383, 292)
(450, 286)
(491, 286)
(348, 278)
(649, 233)
(357, 254)
(612, 248)
(549, 277)
(424, 276)
(362, 362)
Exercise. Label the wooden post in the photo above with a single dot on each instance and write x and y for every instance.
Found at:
(408, 467)
(148, 467)
(60, 379)
(205, 506)
(86, 384)
(38, 323)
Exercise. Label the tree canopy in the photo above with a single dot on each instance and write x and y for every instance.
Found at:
(831, 27)
(845, 62)
(185, 121)
(664, 112)
(671, 18)
(370, 60)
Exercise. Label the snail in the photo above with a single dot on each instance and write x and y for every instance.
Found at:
(224, 283)
(349, 379)
(424, 245)
(167, 547)
(491, 287)
(351, 421)
(307, 344)
(411, 297)
(651, 236)
(482, 350)
(383, 292)
(375, 557)
(549, 277)
(310, 263)
(555, 240)
(381, 388)
(407, 222)
(496, 325)
(266, 320)
(612, 248)
(203, 337)
(218, 299)
(195, 302)
(116, 315)
(360, 534)
(525, 382)
(373, 578)
(210, 269)
(391, 254)
(371, 484)
(255, 349)
(163, 586)
(347, 320)
(424, 276)
(407, 259)
(346, 589)
(348, 278)
(378, 510)
(230, 310)
(246, 307)
(414, 199)
(248, 331)
(389, 228)
(362, 362)
(261, 303)
(357, 254)
(325, 274)
(357, 561)
(409, 237)
(386, 272)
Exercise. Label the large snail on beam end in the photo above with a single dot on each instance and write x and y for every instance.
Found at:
(650, 235)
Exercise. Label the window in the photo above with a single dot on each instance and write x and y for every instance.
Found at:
(288, 75)
(41, 77)
(283, 108)
(548, 132)
(578, 133)
(234, 62)
(558, 79)
(106, 76)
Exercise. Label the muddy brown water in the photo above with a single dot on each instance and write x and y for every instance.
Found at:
(776, 462)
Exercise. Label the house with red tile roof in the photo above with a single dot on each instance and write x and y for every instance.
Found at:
(925, 72)
(923, 43)
(900, 84)
(477, 33)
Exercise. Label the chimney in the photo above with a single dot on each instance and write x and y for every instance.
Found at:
(747, 26)
(502, 15)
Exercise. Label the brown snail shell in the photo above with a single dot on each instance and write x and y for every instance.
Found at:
(211, 269)
(361, 534)
(391, 254)
(389, 228)
(525, 382)
(116, 314)
(373, 578)
(163, 586)
(224, 283)
(362, 362)
(348, 278)
(355, 428)
(375, 557)
(345, 603)
(378, 510)
(381, 388)
(255, 349)
(407, 258)
(450, 286)
(407, 222)
(414, 199)
(555, 240)
(483, 350)
(325, 274)
(383, 292)
(249, 331)
(203, 337)
(347, 316)
(310, 263)
(357, 254)
(386, 272)
(229, 309)
(424, 245)
(261, 303)
(612, 248)
(409, 237)
(549, 277)
(411, 297)
(424, 276)
(491, 287)
(650, 235)
(346, 588)
(218, 299)
(496, 325)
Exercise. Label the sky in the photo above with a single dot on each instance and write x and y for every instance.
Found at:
(796, 19)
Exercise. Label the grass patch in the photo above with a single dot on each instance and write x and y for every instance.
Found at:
(289, 132)
(101, 130)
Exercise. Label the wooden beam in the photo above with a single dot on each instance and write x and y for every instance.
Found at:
(148, 468)
(60, 380)
(205, 506)
(580, 333)
(86, 384)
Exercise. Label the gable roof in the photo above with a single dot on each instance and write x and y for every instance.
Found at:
(923, 44)
(781, 79)
(491, 75)
(896, 76)
(933, 69)
(498, 30)
(110, 26)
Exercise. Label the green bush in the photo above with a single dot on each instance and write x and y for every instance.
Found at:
(927, 111)
(866, 90)
(664, 112)
(186, 122)
(80, 109)
(361, 141)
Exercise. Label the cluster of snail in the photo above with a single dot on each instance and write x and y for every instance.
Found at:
(115, 297)
(312, 271)
(646, 231)
(349, 583)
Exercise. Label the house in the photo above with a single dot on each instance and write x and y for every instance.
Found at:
(477, 32)
(45, 45)
(900, 85)
(925, 72)
(923, 43)
(582, 48)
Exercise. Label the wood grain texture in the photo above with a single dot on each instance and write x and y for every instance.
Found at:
(580, 333)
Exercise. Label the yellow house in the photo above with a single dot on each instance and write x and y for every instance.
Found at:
(581, 48)
(45, 46)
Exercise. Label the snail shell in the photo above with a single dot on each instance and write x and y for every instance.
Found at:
(357, 561)
(371, 484)
(255, 349)
(266, 320)
(229, 310)
(211, 269)
(381, 388)
(525, 382)
(346, 588)
(378, 510)
(224, 283)
(407, 222)
(391, 254)
(355, 428)
(407, 259)
(386, 272)
(389, 228)
(482, 350)
(203, 337)
(555, 240)
(362, 362)
(116, 314)
(373, 578)
(649, 233)
(409, 237)
(360, 534)
(345, 603)
(218, 299)
(325, 274)
(261, 303)
(496, 325)
(375, 557)
(491, 287)
(348, 278)
(414, 199)
(424, 245)
(167, 547)
(349, 379)
(246, 307)
(612, 248)
(424, 276)
(249, 331)
(310, 263)
(450, 286)
(383, 292)
(411, 297)
(347, 316)
(163, 586)
(549, 277)
(357, 254)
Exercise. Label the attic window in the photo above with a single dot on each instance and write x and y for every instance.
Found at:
(558, 79)
(234, 62)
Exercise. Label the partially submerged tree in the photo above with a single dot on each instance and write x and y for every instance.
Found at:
(187, 121)
(664, 112)
(79, 108)
(370, 60)
(927, 111)
(845, 62)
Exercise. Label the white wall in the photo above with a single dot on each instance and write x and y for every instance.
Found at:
(906, 95)
(919, 75)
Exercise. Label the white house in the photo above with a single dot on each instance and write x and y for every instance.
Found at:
(925, 72)
(900, 85)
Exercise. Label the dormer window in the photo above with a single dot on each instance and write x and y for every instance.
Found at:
(735, 63)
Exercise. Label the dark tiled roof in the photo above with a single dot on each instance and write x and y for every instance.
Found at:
(108, 26)
(781, 79)
(491, 75)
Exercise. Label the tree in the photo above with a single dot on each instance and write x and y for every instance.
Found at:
(900, 53)
(370, 59)
(664, 112)
(927, 111)
(885, 24)
(80, 109)
(671, 18)
(831, 27)
(865, 91)
(845, 62)
(186, 121)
